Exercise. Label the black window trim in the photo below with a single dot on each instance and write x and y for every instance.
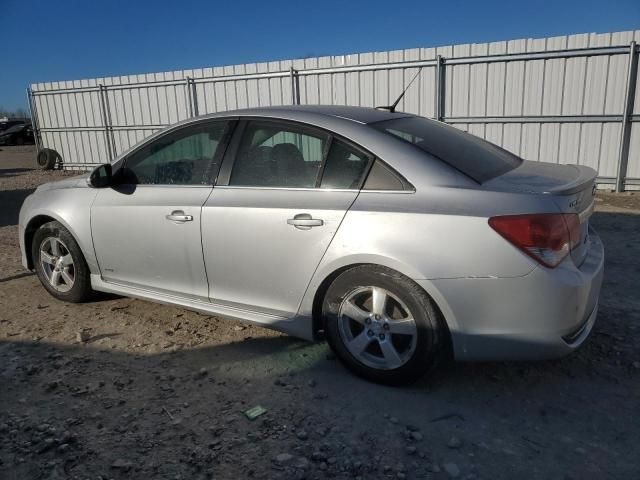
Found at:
(325, 155)
(210, 178)
(234, 131)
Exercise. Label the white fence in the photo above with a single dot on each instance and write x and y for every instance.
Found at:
(569, 99)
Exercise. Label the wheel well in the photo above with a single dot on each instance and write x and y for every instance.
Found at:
(34, 224)
(318, 299)
(318, 323)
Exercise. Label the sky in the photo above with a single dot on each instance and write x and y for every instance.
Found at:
(51, 40)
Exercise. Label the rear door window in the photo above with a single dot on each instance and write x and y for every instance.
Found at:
(345, 166)
(278, 154)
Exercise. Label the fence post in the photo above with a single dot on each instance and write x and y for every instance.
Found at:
(295, 86)
(625, 137)
(106, 122)
(34, 119)
(189, 96)
(192, 96)
(440, 88)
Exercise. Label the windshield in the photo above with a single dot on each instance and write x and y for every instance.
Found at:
(467, 153)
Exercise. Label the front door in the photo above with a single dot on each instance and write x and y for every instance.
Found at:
(146, 228)
(266, 227)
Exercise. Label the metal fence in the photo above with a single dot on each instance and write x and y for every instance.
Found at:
(570, 99)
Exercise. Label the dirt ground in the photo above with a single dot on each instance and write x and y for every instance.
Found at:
(159, 392)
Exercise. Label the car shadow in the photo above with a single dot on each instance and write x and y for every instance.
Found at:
(113, 403)
(16, 276)
(10, 172)
(11, 202)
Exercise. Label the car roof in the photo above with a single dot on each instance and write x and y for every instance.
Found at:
(362, 115)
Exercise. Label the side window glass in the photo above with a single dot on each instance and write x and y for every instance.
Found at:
(278, 155)
(187, 157)
(345, 167)
(383, 177)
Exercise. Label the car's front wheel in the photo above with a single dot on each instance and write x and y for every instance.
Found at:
(59, 263)
(382, 325)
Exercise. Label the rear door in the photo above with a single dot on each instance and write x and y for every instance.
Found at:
(279, 200)
(146, 228)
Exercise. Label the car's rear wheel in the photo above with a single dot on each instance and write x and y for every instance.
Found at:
(59, 263)
(19, 141)
(382, 325)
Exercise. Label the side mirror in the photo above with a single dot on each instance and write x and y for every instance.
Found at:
(101, 176)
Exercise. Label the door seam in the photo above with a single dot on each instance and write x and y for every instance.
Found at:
(315, 270)
(204, 263)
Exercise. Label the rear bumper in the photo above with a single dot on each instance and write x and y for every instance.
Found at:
(545, 314)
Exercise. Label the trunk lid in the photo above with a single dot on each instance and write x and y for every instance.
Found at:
(572, 188)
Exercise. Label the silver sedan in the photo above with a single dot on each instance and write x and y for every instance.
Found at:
(397, 238)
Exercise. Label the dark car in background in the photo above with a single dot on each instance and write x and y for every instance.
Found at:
(6, 124)
(19, 134)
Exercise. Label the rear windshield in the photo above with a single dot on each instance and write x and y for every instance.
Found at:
(467, 153)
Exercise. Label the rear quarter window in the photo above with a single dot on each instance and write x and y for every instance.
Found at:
(473, 156)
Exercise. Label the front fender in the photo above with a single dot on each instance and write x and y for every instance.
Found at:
(69, 206)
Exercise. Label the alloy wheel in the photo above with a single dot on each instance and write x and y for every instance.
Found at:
(377, 328)
(57, 264)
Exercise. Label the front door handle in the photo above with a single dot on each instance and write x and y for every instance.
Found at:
(178, 216)
(304, 221)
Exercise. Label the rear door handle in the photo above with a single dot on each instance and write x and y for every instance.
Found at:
(304, 221)
(178, 216)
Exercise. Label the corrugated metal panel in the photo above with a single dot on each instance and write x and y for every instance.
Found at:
(530, 143)
(478, 83)
(496, 81)
(633, 170)
(135, 106)
(609, 149)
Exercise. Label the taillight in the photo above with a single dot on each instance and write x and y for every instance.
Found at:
(546, 237)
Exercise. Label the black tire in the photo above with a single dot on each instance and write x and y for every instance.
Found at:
(19, 141)
(81, 290)
(431, 334)
(47, 159)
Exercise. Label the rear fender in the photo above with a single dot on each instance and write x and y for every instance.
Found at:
(328, 270)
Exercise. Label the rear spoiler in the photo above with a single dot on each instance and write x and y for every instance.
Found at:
(586, 177)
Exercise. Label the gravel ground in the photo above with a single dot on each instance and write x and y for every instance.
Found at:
(121, 388)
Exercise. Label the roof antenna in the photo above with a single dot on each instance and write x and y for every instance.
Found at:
(392, 107)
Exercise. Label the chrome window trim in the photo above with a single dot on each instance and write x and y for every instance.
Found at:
(411, 192)
(302, 189)
(309, 189)
(169, 185)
